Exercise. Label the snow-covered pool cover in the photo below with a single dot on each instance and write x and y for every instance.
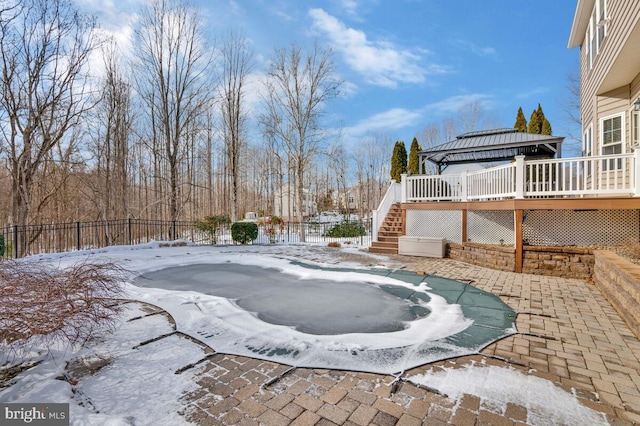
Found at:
(375, 320)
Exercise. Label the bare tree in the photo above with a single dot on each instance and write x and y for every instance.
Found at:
(298, 87)
(172, 74)
(470, 115)
(371, 157)
(572, 110)
(44, 49)
(113, 118)
(237, 64)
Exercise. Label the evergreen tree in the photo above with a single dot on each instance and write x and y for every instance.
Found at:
(414, 162)
(398, 161)
(541, 116)
(538, 124)
(521, 121)
(535, 126)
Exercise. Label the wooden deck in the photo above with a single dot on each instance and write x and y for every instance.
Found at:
(579, 184)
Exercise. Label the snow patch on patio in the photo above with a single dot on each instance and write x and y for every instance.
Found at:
(546, 403)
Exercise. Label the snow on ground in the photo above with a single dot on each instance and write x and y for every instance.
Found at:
(114, 382)
(138, 385)
(546, 403)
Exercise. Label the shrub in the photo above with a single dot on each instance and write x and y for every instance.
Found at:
(272, 225)
(212, 224)
(40, 303)
(243, 232)
(334, 244)
(346, 230)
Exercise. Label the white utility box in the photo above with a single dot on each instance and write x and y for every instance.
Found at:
(422, 246)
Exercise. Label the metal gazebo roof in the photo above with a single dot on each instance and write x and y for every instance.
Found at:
(492, 145)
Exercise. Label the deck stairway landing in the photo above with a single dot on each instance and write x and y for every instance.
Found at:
(389, 232)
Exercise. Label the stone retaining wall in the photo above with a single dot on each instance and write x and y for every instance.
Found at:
(501, 258)
(568, 262)
(619, 281)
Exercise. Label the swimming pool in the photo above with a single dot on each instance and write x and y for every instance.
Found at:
(307, 315)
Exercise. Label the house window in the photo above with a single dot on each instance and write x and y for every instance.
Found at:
(596, 31)
(601, 22)
(587, 146)
(587, 142)
(612, 139)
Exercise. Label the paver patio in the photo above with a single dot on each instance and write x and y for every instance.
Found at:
(569, 335)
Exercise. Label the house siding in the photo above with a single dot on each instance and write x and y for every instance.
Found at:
(623, 17)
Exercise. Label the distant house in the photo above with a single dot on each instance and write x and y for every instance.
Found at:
(608, 34)
(286, 203)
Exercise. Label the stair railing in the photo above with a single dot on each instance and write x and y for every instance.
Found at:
(392, 196)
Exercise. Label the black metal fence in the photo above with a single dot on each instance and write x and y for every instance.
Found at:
(20, 241)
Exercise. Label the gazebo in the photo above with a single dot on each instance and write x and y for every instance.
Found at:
(494, 145)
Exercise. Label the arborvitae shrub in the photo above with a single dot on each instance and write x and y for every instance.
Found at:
(243, 232)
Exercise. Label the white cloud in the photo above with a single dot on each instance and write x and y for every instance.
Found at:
(533, 92)
(475, 49)
(400, 118)
(380, 62)
(392, 119)
(452, 104)
(349, 6)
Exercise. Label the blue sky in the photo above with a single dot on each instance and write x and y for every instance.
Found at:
(408, 64)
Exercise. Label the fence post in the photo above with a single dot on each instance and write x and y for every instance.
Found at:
(129, 230)
(78, 235)
(173, 230)
(520, 174)
(15, 241)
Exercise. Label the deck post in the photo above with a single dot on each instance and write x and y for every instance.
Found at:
(636, 172)
(519, 216)
(403, 190)
(464, 226)
(463, 186)
(520, 174)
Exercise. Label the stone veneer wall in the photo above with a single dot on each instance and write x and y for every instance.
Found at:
(568, 262)
(501, 258)
(619, 281)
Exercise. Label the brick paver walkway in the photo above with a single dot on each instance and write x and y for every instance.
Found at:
(570, 336)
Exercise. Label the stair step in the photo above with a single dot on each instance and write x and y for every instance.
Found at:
(381, 250)
(388, 239)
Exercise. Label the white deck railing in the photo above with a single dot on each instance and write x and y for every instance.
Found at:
(616, 175)
(393, 195)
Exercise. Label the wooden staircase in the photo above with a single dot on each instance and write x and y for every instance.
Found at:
(389, 232)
